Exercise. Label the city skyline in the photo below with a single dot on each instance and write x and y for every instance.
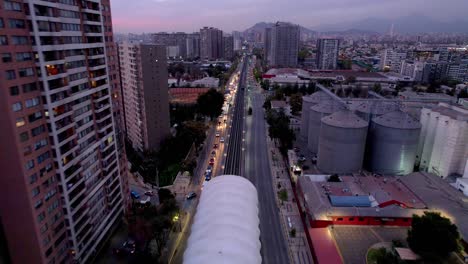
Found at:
(158, 15)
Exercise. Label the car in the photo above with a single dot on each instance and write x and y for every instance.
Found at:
(302, 158)
(212, 162)
(149, 193)
(209, 169)
(191, 195)
(128, 247)
(207, 177)
(217, 134)
(221, 140)
(215, 146)
(145, 201)
(213, 152)
(134, 195)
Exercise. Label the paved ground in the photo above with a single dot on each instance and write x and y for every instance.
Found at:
(354, 241)
(299, 249)
(257, 170)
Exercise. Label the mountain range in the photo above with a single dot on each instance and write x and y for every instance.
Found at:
(407, 24)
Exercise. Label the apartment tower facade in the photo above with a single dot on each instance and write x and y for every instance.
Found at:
(59, 110)
(284, 45)
(143, 69)
(327, 53)
(211, 43)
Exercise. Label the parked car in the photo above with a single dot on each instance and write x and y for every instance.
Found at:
(149, 193)
(215, 146)
(213, 152)
(217, 134)
(209, 169)
(212, 160)
(191, 195)
(128, 247)
(302, 158)
(221, 140)
(134, 195)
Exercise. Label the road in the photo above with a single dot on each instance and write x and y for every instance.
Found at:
(257, 170)
(233, 164)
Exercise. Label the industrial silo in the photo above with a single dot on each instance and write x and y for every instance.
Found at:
(307, 102)
(370, 109)
(393, 141)
(316, 113)
(341, 143)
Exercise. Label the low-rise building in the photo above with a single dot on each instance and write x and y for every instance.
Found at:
(209, 82)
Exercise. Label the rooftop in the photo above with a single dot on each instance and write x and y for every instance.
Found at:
(455, 112)
(440, 196)
(185, 95)
(347, 74)
(388, 197)
(345, 119)
(278, 104)
(397, 119)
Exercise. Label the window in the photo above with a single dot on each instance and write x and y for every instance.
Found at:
(41, 217)
(10, 74)
(31, 102)
(19, 40)
(38, 204)
(53, 206)
(39, 144)
(2, 25)
(43, 157)
(27, 150)
(26, 72)
(361, 219)
(351, 219)
(33, 178)
(38, 130)
(340, 219)
(17, 23)
(29, 165)
(17, 107)
(12, 6)
(24, 136)
(3, 40)
(35, 116)
(14, 90)
(6, 57)
(29, 87)
(23, 56)
(20, 122)
(44, 228)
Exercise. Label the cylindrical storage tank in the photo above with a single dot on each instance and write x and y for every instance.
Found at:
(370, 109)
(316, 113)
(342, 142)
(307, 102)
(394, 139)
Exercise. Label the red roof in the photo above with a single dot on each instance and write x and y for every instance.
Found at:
(325, 249)
(185, 95)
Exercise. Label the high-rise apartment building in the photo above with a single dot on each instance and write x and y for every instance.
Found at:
(237, 40)
(178, 39)
(284, 45)
(143, 69)
(327, 53)
(267, 45)
(391, 60)
(193, 45)
(60, 139)
(211, 43)
(228, 47)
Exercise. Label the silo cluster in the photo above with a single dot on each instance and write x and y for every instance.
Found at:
(316, 113)
(307, 102)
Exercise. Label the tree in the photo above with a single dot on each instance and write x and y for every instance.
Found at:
(311, 88)
(283, 195)
(267, 104)
(210, 104)
(433, 236)
(381, 256)
(377, 88)
(279, 129)
(249, 111)
(334, 178)
(463, 93)
(296, 103)
(302, 55)
(164, 195)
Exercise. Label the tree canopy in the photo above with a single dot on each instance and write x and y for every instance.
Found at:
(279, 129)
(296, 103)
(432, 235)
(210, 104)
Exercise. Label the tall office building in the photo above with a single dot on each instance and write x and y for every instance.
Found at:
(228, 47)
(284, 45)
(211, 43)
(267, 45)
(143, 70)
(59, 110)
(178, 39)
(193, 45)
(327, 53)
(391, 60)
(237, 40)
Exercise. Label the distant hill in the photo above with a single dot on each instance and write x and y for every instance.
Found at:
(260, 27)
(408, 24)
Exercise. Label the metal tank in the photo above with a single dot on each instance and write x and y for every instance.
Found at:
(307, 102)
(393, 141)
(341, 143)
(316, 113)
(370, 109)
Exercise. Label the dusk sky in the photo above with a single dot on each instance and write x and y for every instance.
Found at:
(189, 15)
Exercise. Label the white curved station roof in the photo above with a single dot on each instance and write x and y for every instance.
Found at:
(226, 226)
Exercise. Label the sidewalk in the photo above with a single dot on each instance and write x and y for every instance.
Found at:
(299, 251)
